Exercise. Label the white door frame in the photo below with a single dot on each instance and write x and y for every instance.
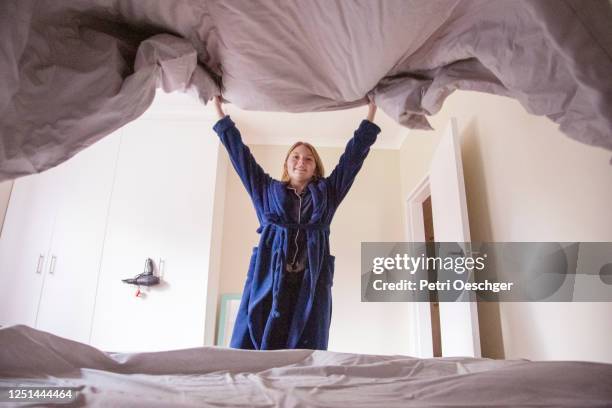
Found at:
(463, 314)
(422, 343)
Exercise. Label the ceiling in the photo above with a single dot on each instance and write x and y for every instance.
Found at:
(325, 129)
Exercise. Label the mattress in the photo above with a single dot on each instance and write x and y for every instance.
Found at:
(222, 377)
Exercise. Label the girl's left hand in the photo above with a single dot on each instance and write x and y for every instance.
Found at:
(218, 107)
(371, 110)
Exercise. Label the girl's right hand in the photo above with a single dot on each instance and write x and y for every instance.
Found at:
(218, 106)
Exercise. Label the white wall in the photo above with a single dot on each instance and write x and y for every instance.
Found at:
(214, 274)
(526, 181)
(370, 212)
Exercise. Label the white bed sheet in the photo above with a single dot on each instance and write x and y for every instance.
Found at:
(221, 377)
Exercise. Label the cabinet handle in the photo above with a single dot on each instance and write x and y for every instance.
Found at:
(41, 258)
(162, 266)
(52, 266)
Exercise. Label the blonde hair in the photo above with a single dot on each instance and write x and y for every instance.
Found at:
(319, 169)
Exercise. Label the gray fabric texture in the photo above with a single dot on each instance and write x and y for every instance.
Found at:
(74, 71)
(220, 377)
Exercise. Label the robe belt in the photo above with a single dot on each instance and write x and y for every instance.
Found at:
(311, 227)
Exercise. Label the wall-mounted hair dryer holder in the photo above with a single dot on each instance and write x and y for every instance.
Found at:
(147, 278)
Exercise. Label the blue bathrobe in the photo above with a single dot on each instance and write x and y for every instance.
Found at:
(260, 305)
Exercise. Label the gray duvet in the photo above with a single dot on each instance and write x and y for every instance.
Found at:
(72, 71)
(219, 377)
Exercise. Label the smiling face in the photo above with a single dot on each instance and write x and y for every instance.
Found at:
(301, 164)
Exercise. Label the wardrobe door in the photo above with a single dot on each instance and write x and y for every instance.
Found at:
(161, 209)
(187, 246)
(67, 301)
(24, 245)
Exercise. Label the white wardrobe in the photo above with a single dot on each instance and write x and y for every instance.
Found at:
(71, 234)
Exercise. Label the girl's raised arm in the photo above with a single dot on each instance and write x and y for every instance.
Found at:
(356, 151)
(253, 177)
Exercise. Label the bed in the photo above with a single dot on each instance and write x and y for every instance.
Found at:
(222, 377)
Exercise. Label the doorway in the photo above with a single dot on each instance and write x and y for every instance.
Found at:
(430, 251)
(442, 328)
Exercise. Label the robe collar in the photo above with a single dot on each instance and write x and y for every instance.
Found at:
(281, 189)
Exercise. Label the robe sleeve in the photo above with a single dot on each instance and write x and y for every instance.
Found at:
(253, 177)
(356, 151)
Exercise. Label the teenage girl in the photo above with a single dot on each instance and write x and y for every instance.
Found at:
(286, 302)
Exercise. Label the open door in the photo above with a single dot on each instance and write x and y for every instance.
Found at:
(459, 331)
